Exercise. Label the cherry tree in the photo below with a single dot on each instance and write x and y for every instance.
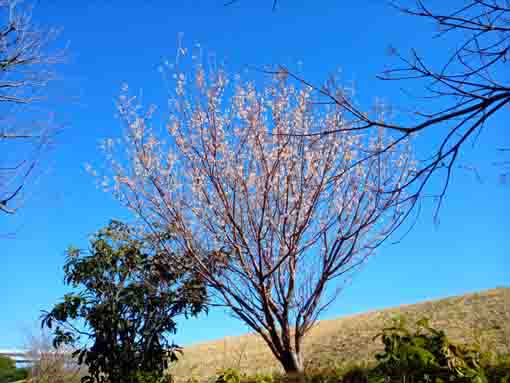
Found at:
(458, 89)
(273, 219)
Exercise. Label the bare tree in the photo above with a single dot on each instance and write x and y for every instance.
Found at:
(50, 364)
(25, 70)
(274, 220)
(460, 97)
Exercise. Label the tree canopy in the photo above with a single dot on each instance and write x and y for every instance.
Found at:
(124, 307)
(270, 217)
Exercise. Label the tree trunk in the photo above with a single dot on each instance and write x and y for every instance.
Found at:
(291, 362)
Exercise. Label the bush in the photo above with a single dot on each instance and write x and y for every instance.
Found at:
(499, 372)
(9, 372)
(425, 355)
(262, 378)
(229, 375)
(8, 376)
(6, 363)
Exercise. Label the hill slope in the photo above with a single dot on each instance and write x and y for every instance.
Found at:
(484, 315)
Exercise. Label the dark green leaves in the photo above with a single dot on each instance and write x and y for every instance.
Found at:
(425, 356)
(126, 305)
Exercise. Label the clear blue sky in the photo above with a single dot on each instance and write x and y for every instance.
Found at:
(111, 42)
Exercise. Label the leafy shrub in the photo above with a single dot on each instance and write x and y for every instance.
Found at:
(229, 375)
(125, 300)
(425, 355)
(499, 372)
(263, 378)
(7, 376)
(6, 363)
(9, 372)
(13, 375)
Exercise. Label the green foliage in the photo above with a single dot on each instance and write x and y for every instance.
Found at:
(229, 375)
(263, 378)
(125, 301)
(425, 355)
(405, 362)
(8, 371)
(499, 372)
(14, 375)
(6, 363)
(494, 371)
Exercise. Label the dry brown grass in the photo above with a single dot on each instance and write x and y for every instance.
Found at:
(482, 317)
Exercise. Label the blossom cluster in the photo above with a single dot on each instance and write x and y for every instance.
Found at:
(246, 168)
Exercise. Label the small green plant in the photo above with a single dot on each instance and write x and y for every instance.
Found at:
(263, 378)
(499, 371)
(9, 372)
(6, 363)
(425, 355)
(229, 375)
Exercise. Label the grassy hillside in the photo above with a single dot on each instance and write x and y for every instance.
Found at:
(483, 316)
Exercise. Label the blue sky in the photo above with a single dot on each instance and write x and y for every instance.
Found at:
(112, 42)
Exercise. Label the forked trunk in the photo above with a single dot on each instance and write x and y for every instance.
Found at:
(292, 362)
